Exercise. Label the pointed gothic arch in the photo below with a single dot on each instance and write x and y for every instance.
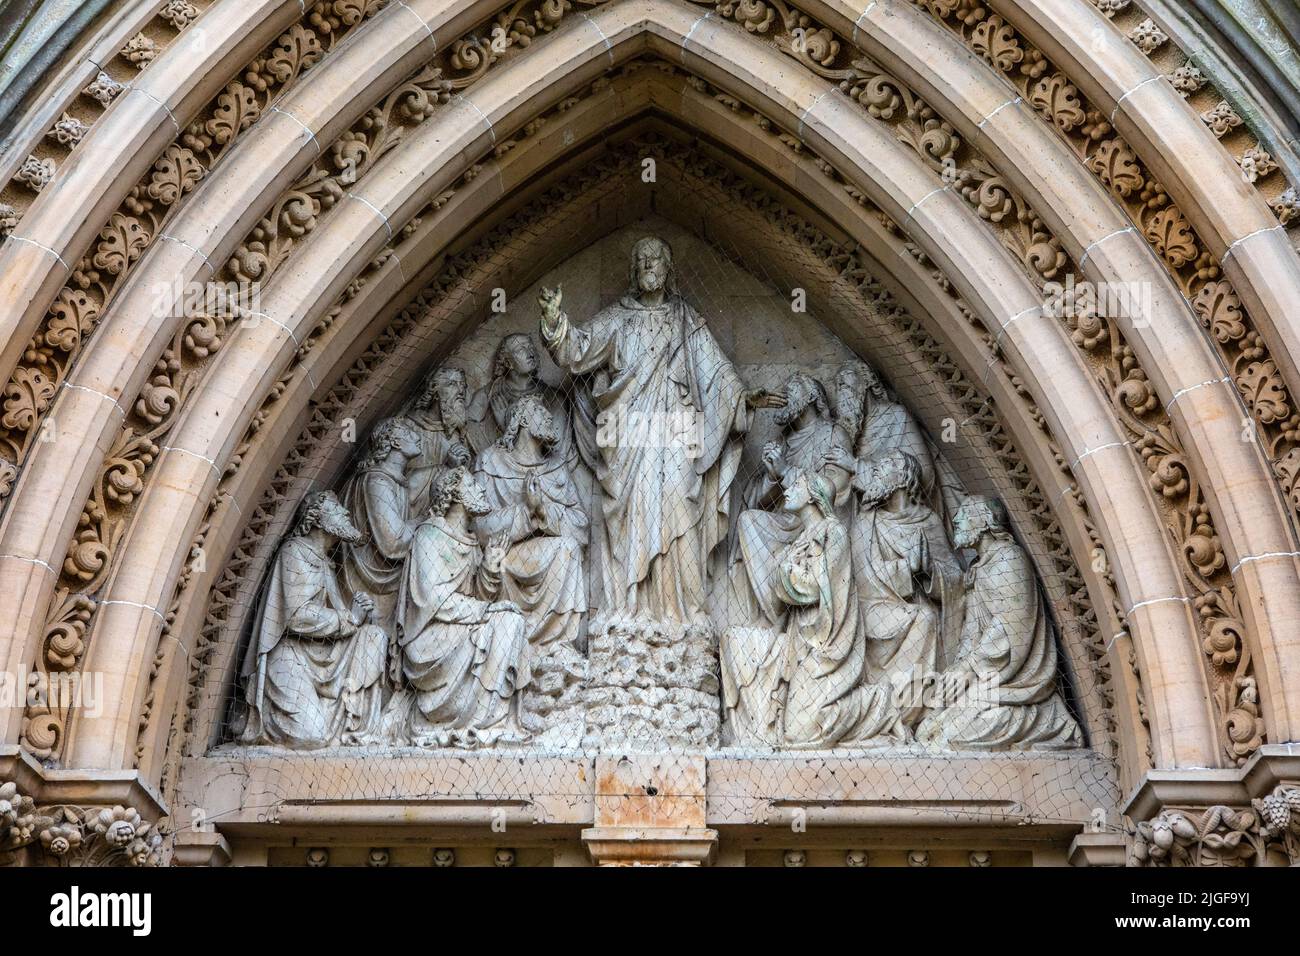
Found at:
(1188, 569)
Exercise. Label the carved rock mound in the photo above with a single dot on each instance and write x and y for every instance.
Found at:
(555, 702)
(652, 685)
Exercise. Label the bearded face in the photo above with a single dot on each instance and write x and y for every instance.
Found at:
(651, 269)
(798, 396)
(335, 521)
(850, 393)
(452, 404)
(887, 476)
(473, 497)
(968, 525)
(541, 426)
(875, 490)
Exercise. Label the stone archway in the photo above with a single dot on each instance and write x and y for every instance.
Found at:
(962, 200)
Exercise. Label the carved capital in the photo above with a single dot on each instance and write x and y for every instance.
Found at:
(1216, 836)
(1246, 817)
(52, 818)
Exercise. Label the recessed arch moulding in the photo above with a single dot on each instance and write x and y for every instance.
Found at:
(810, 228)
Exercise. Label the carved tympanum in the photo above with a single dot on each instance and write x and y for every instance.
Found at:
(600, 559)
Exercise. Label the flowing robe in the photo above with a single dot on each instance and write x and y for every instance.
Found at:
(762, 533)
(890, 427)
(802, 686)
(671, 409)
(380, 508)
(898, 587)
(314, 679)
(1008, 655)
(543, 568)
(464, 664)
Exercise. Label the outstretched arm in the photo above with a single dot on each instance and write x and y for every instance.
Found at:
(574, 350)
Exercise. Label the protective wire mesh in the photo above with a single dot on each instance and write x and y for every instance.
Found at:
(656, 507)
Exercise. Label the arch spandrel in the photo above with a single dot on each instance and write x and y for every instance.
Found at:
(1103, 500)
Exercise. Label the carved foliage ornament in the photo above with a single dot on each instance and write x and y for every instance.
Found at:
(76, 836)
(1256, 377)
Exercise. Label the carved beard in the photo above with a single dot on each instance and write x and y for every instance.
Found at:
(547, 437)
(877, 493)
(963, 538)
(648, 280)
(850, 399)
(454, 414)
(477, 506)
(790, 413)
(339, 527)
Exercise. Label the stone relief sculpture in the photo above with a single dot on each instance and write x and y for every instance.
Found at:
(441, 414)
(1007, 657)
(534, 508)
(873, 423)
(899, 574)
(464, 651)
(315, 667)
(516, 374)
(378, 498)
(801, 685)
(766, 528)
(671, 409)
(475, 587)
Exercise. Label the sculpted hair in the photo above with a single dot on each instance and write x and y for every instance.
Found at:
(501, 358)
(518, 415)
(911, 470)
(990, 512)
(309, 512)
(385, 438)
(448, 491)
(670, 281)
(820, 399)
(434, 383)
(823, 495)
(819, 489)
